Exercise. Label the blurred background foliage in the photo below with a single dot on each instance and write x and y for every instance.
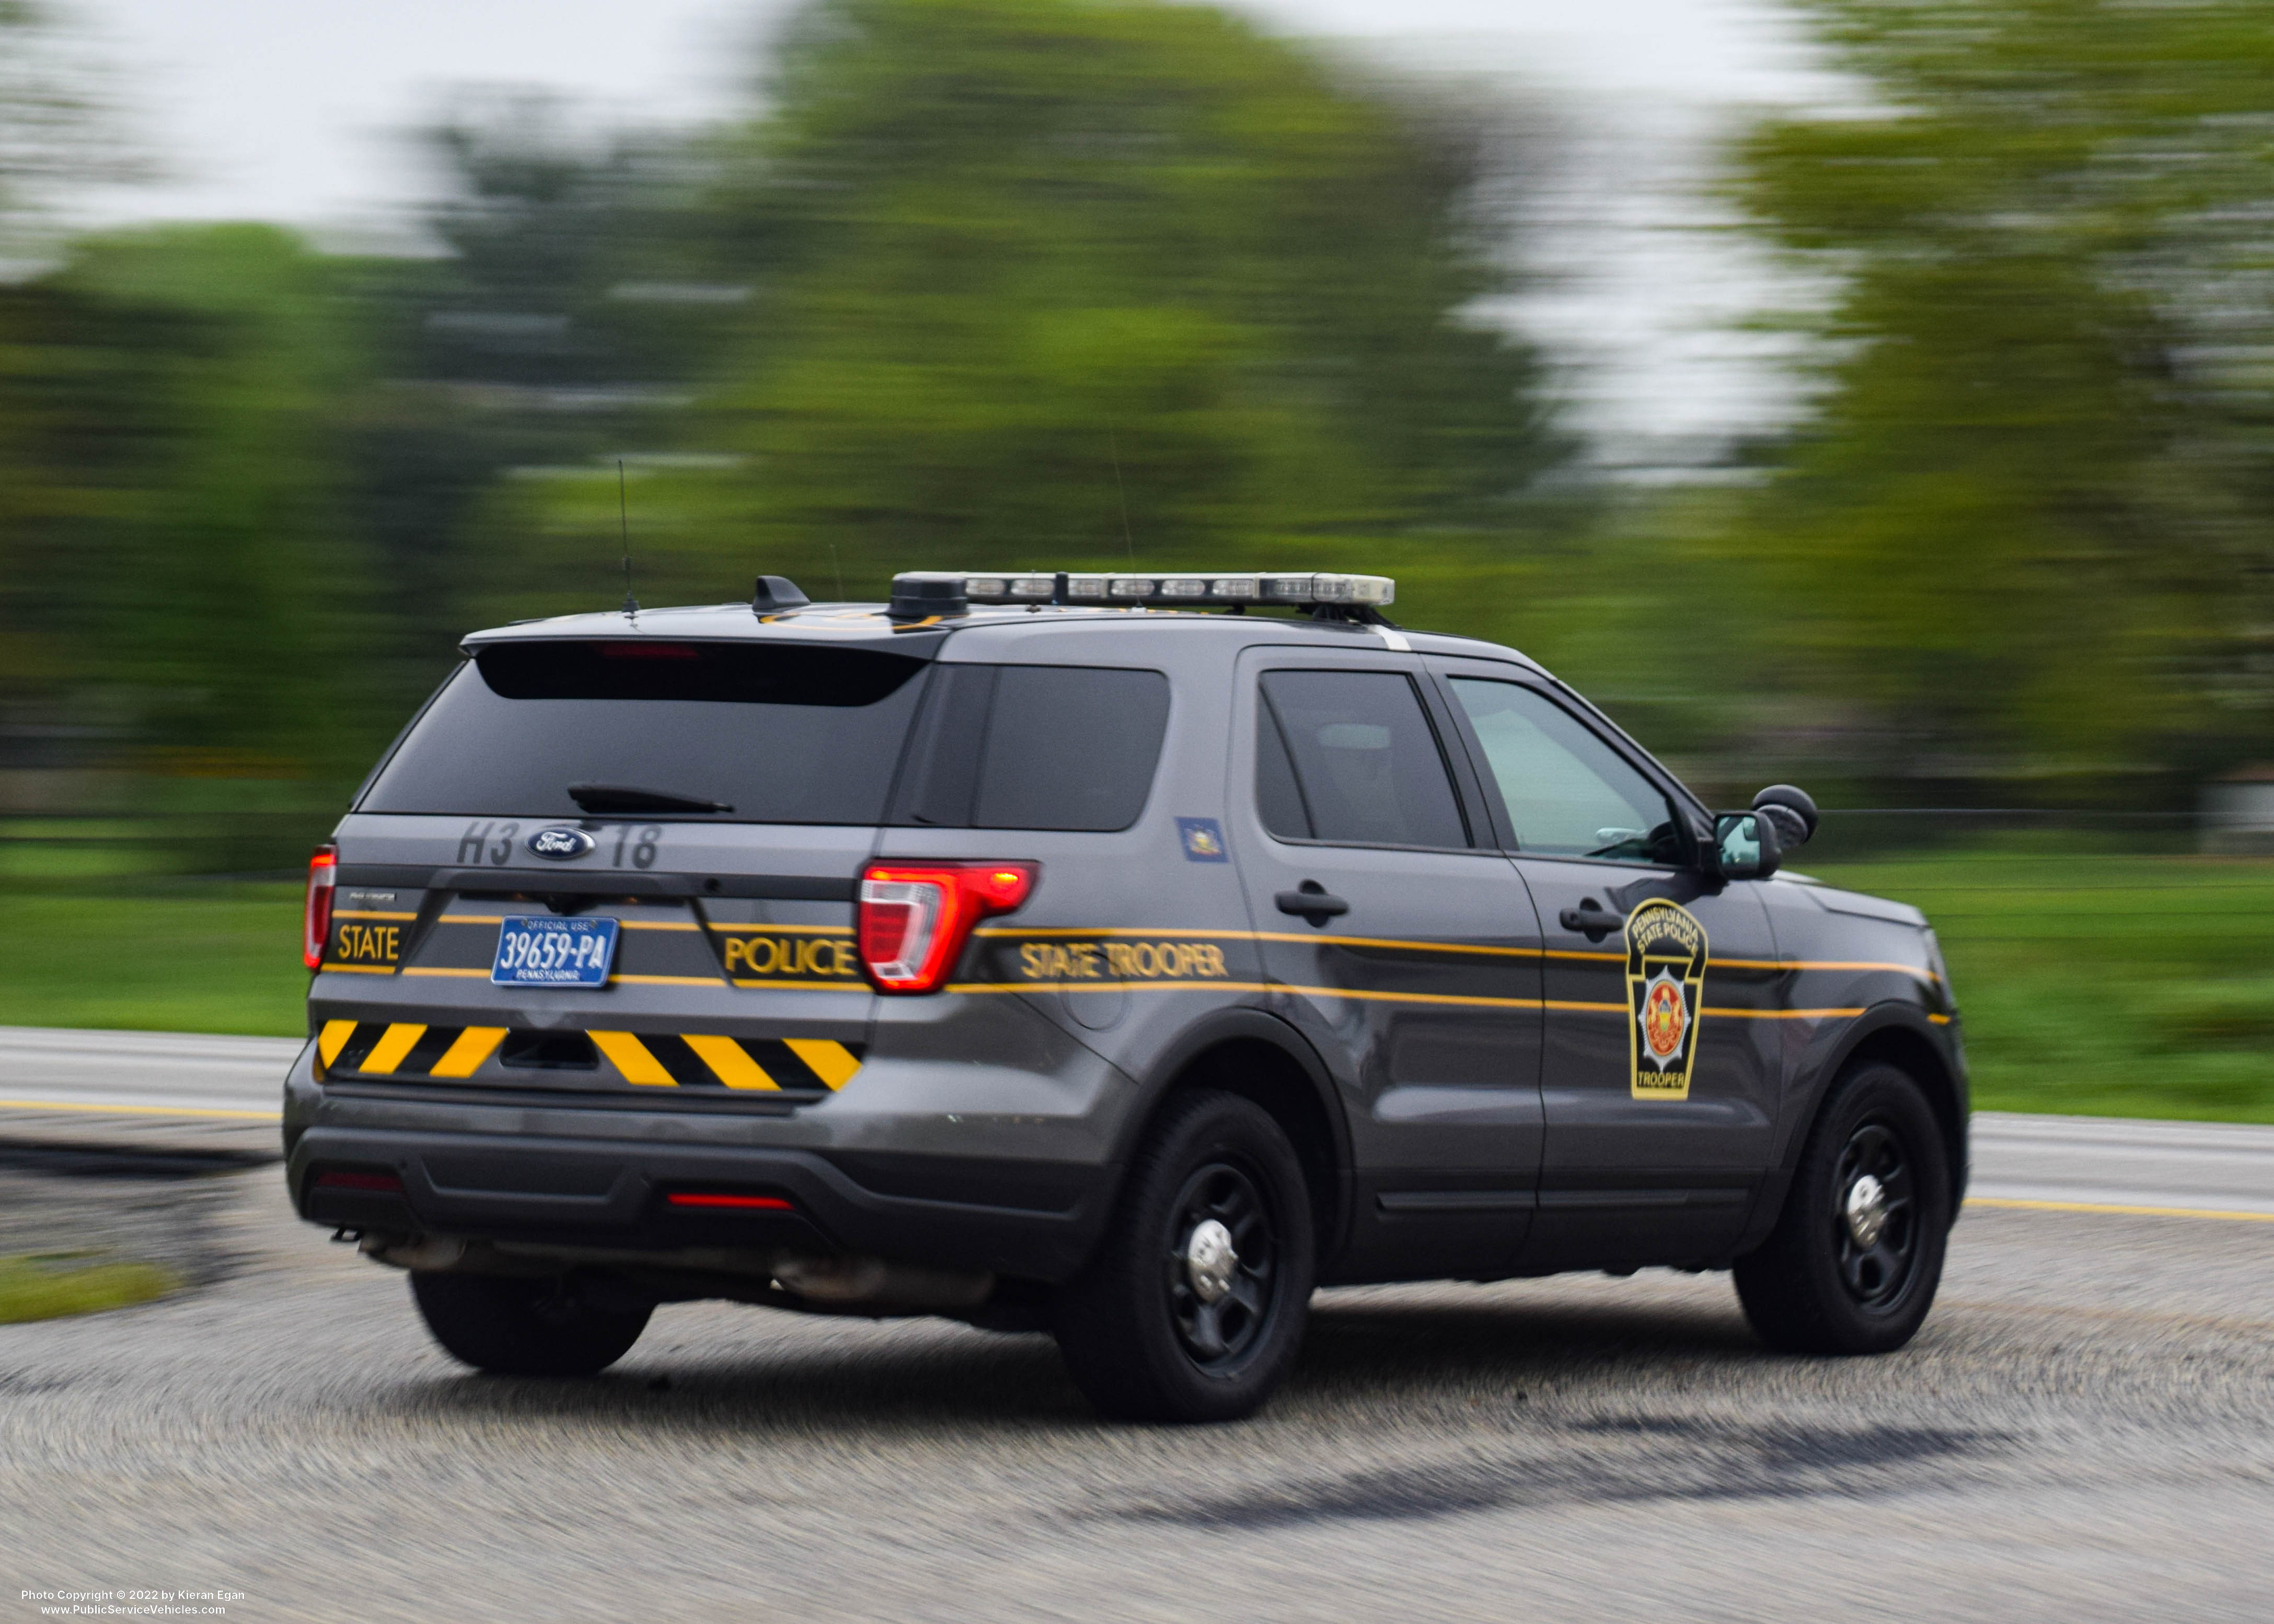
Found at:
(1015, 282)
(1071, 282)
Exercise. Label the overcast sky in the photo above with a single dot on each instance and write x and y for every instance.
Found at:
(292, 110)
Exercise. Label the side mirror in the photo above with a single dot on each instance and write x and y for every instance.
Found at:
(1744, 846)
(1792, 810)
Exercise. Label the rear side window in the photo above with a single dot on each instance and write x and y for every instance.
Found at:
(1069, 748)
(1350, 757)
(779, 732)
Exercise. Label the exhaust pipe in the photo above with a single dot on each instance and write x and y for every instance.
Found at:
(874, 1284)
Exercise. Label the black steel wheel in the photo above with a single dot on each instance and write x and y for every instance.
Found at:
(1218, 1266)
(1855, 1258)
(1874, 1215)
(515, 1327)
(1194, 1306)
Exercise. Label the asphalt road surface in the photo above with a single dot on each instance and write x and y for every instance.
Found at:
(2084, 1431)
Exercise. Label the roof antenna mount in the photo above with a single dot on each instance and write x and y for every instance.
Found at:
(624, 523)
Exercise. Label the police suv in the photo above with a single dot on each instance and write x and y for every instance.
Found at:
(1097, 954)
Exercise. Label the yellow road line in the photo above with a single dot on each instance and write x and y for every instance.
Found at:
(138, 1110)
(2120, 1210)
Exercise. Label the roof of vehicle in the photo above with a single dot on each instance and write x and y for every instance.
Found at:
(868, 624)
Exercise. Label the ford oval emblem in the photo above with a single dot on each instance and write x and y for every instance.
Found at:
(560, 844)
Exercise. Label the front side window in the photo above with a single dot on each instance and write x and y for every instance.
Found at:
(1568, 793)
(1348, 757)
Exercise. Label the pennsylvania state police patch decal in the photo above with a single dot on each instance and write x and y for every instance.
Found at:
(1665, 984)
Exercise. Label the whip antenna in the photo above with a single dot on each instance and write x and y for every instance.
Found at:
(624, 523)
(1119, 490)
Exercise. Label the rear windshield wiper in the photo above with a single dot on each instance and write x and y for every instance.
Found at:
(629, 798)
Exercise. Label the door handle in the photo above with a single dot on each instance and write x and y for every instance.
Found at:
(1591, 921)
(1312, 903)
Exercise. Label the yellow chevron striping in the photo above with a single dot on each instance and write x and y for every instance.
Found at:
(465, 1056)
(332, 1039)
(832, 1063)
(401, 1038)
(630, 1055)
(730, 1061)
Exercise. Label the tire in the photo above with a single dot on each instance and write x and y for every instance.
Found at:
(1162, 1326)
(1826, 1283)
(513, 1327)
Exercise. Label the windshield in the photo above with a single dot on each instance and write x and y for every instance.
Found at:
(777, 733)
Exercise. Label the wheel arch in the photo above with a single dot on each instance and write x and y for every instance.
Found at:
(1262, 1058)
(1901, 1035)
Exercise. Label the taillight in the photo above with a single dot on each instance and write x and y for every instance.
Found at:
(316, 918)
(916, 917)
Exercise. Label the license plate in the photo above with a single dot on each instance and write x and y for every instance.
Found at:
(546, 951)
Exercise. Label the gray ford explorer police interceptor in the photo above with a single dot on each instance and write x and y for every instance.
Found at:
(1096, 953)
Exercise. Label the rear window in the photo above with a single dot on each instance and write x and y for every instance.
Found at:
(1067, 747)
(777, 733)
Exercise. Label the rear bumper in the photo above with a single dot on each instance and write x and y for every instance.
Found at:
(613, 1194)
(922, 1160)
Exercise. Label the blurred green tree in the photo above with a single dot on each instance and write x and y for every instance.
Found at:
(559, 329)
(1035, 280)
(2023, 534)
(223, 601)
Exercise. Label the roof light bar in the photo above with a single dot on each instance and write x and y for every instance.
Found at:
(1171, 591)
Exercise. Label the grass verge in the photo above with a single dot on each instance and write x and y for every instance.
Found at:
(2091, 982)
(48, 1288)
(2099, 984)
(208, 957)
